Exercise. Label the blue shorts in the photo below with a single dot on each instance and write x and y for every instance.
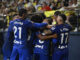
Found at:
(60, 54)
(38, 56)
(22, 52)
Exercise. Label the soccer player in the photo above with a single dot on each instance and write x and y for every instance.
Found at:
(8, 44)
(20, 29)
(61, 46)
(42, 45)
(55, 17)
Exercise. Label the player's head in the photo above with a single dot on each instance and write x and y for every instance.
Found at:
(56, 14)
(44, 4)
(49, 20)
(37, 18)
(61, 19)
(15, 16)
(23, 13)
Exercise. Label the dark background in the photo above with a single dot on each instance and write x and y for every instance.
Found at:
(74, 46)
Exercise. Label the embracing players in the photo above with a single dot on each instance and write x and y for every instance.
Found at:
(20, 29)
(62, 30)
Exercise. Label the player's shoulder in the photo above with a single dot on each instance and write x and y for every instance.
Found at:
(67, 25)
(54, 27)
(27, 21)
(12, 21)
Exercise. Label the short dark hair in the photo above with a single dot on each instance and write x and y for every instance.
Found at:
(53, 2)
(63, 17)
(37, 18)
(22, 11)
(49, 20)
(45, 3)
(57, 13)
(14, 15)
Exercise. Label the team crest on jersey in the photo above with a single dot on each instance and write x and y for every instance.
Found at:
(53, 28)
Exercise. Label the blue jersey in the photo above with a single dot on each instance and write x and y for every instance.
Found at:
(41, 47)
(20, 29)
(63, 34)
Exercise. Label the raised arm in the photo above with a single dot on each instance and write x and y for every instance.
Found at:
(41, 37)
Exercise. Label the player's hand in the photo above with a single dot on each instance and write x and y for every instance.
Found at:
(47, 32)
(45, 21)
(49, 26)
(55, 36)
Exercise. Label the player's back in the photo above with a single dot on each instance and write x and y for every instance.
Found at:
(20, 28)
(41, 46)
(63, 35)
(62, 31)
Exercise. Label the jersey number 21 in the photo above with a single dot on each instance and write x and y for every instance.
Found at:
(17, 30)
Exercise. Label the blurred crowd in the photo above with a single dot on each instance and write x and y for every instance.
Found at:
(36, 10)
(10, 7)
(37, 5)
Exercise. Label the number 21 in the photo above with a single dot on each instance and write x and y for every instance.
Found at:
(16, 30)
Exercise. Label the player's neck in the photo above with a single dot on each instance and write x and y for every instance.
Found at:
(22, 18)
(60, 23)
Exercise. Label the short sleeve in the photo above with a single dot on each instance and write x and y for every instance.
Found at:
(29, 24)
(69, 27)
(53, 29)
(10, 28)
(10, 31)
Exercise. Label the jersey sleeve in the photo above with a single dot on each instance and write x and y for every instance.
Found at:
(10, 28)
(53, 30)
(29, 24)
(69, 27)
(10, 31)
(36, 25)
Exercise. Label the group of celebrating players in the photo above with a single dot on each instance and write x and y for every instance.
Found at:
(27, 40)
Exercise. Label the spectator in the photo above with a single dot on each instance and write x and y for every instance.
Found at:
(62, 7)
(20, 4)
(26, 4)
(74, 5)
(45, 7)
(53, 6)
(70, 3)
(37, 4)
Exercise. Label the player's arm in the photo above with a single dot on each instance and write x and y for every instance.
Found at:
(47, 32)
(10, 31)
(39, 25)
(10, 37)
(36, 25)
(52, 30)
(69, 27)
(41, 37)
